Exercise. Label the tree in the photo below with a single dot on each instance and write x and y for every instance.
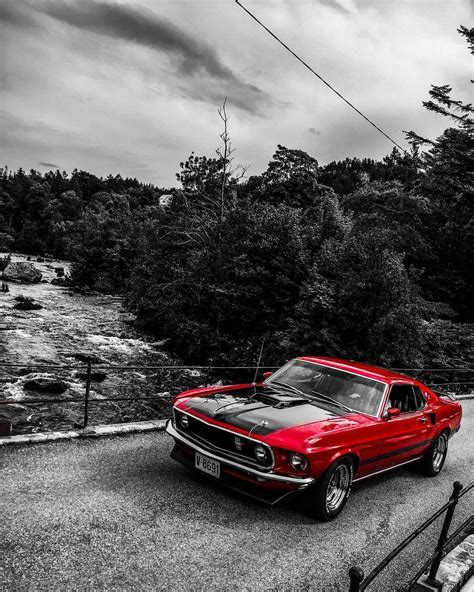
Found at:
(380, 313)
(448, 163)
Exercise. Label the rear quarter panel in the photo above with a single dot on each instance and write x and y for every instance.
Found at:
(447, 414)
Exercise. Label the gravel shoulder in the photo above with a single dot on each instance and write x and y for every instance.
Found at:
(119, 514)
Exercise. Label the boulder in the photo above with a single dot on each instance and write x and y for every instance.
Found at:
(85, 357)
(26, 304)
(60, 281)
(22, 272)
(5, 427)
(46, 385)
(95, 376)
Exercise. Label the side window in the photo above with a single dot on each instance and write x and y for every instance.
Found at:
(406, 398)
(419, 397)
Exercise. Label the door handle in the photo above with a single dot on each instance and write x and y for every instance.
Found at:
(423, 420)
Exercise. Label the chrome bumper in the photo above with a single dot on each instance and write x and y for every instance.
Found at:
(301, 481)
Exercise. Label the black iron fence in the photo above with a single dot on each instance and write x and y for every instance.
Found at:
(450, 379)
(358, 580)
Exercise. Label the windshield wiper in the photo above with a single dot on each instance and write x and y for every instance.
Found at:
(289, 387)
(332, 401)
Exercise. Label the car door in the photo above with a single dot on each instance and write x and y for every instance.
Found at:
(399, 439)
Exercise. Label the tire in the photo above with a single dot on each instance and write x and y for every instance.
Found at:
(433, 461)
(327, 497)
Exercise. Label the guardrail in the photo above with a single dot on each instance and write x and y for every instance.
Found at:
(206, 372)
(359, 582)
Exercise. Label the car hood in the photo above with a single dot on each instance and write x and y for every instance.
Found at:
(263, 411)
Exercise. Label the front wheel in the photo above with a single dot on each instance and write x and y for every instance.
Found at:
(433, 461)
(327, 498)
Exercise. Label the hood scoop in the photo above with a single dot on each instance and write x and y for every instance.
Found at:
(293, 402)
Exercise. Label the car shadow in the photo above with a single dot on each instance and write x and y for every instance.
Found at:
(170, 486)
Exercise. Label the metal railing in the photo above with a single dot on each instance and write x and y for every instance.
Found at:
(89, 367)
(359, 582)
(206, 372)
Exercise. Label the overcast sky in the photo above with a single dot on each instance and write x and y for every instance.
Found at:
(133, 87)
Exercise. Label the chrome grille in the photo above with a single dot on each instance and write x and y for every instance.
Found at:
(218, 439)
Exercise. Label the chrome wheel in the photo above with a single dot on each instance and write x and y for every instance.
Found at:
(439, 452)
(338, 487)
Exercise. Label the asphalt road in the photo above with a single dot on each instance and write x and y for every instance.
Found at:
(119, 514)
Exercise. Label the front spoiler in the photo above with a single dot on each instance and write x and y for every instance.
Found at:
(231, 481)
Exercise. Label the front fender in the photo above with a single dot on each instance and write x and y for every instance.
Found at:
(321, 461)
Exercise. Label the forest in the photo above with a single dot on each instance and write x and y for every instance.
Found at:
(363, 259)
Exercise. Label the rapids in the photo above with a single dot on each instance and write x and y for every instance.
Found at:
(69, 327)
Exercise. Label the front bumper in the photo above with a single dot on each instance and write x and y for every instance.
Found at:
(263, 485)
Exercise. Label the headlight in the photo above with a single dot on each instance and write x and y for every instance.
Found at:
(298, 461)
(184, 421)
(261, 453)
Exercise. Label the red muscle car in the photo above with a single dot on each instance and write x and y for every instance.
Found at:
(313, 427)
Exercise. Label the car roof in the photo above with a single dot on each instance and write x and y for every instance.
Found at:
(366, 370)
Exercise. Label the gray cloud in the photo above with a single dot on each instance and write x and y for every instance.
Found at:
(13, 13)
(192, 56)
(335, 5)
(49, 165)
(313, 130)
(108, 100)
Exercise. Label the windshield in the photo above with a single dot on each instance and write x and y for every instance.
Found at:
(314, 380)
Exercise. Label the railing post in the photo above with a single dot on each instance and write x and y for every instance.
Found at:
(356, 575)
(431, 578)
(88, 390)
(209, 368)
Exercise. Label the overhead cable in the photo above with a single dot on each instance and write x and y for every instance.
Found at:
(306, 65)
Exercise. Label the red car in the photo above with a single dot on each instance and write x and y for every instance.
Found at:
(313, 427)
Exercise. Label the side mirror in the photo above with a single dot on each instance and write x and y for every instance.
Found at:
(267, 375)
(393, 412)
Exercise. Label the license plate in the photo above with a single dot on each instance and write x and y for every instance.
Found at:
(207, 465)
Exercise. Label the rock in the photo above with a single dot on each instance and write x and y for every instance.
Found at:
(40, 259)
(25, 371)
(84, 357)
(59, 271)
(27, 304)
(46, 385)
(5, 427)
(28, 258)
(95, 376)
(22, 272)
(60, 281)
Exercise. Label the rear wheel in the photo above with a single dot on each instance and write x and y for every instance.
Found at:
(433, 461)
(327, 498)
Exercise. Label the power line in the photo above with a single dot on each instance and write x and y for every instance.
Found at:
(306, 65)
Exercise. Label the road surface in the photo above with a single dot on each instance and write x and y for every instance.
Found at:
(119, 514)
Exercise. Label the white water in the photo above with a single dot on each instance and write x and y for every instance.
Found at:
(69, 323)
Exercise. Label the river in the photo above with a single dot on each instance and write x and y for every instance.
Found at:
(69, 327)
